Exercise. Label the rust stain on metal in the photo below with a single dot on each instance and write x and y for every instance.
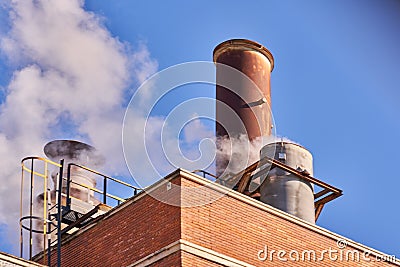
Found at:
(256, 62)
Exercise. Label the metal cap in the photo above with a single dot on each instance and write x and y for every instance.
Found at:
(75, 150)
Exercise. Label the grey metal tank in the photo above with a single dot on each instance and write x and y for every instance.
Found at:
(284, 190)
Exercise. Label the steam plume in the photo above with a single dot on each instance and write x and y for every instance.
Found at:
(71, 81)
(71, 76)
(242, 152)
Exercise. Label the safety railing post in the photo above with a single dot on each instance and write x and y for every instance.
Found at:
(59, 213)
(105, 190)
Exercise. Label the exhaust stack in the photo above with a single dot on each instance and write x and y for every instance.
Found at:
(243, 109)
(77, 153)
(252, 106)
(82, 198)
(284, 190)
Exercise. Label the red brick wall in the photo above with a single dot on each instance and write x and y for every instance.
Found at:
(239, 230)
(173, 260)
(126, 236)
(228, 226)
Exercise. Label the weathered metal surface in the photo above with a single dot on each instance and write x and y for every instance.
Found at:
(261, 168)
(285, 191)
(250, 103)
(79, 153)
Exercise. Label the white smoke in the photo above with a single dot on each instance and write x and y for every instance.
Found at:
(71, 80)
(241, 152)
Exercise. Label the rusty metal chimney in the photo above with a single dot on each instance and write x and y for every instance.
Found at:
(252, 106)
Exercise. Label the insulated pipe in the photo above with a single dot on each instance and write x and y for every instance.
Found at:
(284, 190)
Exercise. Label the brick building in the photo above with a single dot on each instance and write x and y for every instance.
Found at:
(187, 220)
(231, 230)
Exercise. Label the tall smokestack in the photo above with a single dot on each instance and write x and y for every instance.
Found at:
(256, 62)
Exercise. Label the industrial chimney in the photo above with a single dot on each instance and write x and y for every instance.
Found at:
(284, 190)
(77, 153)
(236, 97)
(250, 103)
(83, 199)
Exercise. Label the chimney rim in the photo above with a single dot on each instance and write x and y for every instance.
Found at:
(243, 44)
(285, 142)
(72, 149)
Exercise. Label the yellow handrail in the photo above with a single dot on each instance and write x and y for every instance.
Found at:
(34, 170)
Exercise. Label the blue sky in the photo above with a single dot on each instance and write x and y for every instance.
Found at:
(335, 87)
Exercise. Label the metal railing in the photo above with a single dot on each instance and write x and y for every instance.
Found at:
(205, 174)
(241, 181)
(31, 218)
(103, 192)
(57, 201)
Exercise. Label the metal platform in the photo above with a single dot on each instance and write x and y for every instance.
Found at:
(241, 182)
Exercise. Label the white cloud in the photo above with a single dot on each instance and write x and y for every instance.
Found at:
(71, 80)
(69, 71)
(196, 130)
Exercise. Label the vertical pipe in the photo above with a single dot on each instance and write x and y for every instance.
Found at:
(20, 215)
(49, 248)
(68, 204)
(256, 62)
(59, 211)
(45, 207)
(49, 205)
(105, 190)
(31, 213)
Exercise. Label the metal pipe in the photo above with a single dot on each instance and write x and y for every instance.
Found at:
(21, 237)
(59, 212)
(105, 190)
(252, 105)
(30, 213)
(45, 207)
(108, 177)
(49, 248)
(68, 200)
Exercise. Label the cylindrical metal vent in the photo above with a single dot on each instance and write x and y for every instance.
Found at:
(284, 190)
(72, 152)
(252, 106)
(77, 153)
